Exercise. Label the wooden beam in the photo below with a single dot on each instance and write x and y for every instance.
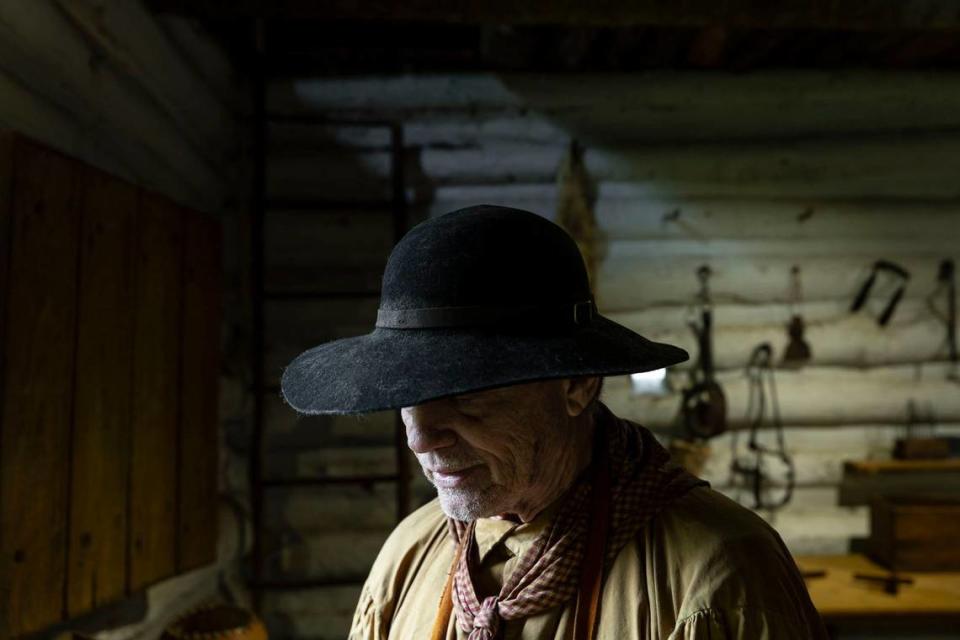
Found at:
(869, 15)
(474, 109)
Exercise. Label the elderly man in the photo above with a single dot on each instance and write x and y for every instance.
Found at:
(554, 517)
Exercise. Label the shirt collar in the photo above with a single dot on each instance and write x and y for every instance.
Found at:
(515, 536)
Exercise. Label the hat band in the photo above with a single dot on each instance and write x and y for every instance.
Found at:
(577, 314)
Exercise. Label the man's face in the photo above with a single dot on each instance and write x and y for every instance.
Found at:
(493, 452)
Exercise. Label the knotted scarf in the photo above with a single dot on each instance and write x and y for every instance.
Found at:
(643, 481)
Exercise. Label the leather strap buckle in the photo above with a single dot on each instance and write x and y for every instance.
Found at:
(583, 312)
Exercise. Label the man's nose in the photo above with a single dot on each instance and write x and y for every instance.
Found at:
(428, 427)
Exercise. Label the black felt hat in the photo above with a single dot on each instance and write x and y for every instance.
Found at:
(481, 297)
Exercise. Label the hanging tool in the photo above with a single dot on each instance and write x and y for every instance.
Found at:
(756, 474)
(704, 405)
(798, 351)
(895, 270)
(947, 286)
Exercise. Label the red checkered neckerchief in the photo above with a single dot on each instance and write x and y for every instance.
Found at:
(643, 481)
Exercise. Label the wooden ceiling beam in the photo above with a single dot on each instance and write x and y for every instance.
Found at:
(852, 15)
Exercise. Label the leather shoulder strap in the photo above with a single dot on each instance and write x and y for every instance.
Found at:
(591, 576)
(445, 610)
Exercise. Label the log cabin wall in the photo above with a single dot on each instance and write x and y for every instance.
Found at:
(752, 174)
(155, 102)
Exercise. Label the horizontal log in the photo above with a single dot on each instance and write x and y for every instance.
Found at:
(24, 111)
(818, 453)
(637, 275)
(329, 251)
(285, 429)
(648, 107)
(27, 112)
(874, 166)
(342, 556)
(337, 508)
(333, 175)
(842, 338)
(894, 221)
(627, 212)
(135, 45)
(208, 58)
(308, 510)
(814, 396)
(456, 131)
(330, 462)
(45, 52)
(660, 319)
(869, 166)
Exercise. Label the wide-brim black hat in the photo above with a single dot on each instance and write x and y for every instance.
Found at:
(478, 298)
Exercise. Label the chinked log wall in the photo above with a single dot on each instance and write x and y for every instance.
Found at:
(750, 174)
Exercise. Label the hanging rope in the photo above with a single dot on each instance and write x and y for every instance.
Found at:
(755, 473)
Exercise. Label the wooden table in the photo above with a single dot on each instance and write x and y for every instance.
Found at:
(932, 602)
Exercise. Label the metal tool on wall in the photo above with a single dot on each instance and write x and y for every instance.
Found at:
(758, 473)
(898, 273)
(947, 288)
(798, 350)
(704, 406)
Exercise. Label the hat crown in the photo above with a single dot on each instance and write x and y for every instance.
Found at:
(484, 256)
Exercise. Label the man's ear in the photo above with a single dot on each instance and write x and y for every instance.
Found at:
(580, 392)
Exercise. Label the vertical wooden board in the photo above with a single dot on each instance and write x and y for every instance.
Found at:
(96, 569)
(38, 387)
(7, 144)
(199, 423)
(155, 393)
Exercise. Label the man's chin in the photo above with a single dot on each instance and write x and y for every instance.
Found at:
(466, 505)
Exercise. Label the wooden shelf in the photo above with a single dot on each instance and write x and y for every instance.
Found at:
(839, 596)
(900, 466)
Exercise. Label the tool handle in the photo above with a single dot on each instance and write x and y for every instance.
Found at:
(864, 292)
(891, 307)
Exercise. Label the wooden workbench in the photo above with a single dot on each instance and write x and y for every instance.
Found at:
(931, 602)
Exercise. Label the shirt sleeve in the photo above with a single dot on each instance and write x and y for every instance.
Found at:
(738, 624)
(367, 624)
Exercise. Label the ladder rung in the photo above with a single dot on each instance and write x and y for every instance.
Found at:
(305, 583)
(321, 481)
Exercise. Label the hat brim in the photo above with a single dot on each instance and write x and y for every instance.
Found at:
(394, 368)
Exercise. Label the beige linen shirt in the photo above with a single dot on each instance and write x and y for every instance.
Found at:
(705, 567)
